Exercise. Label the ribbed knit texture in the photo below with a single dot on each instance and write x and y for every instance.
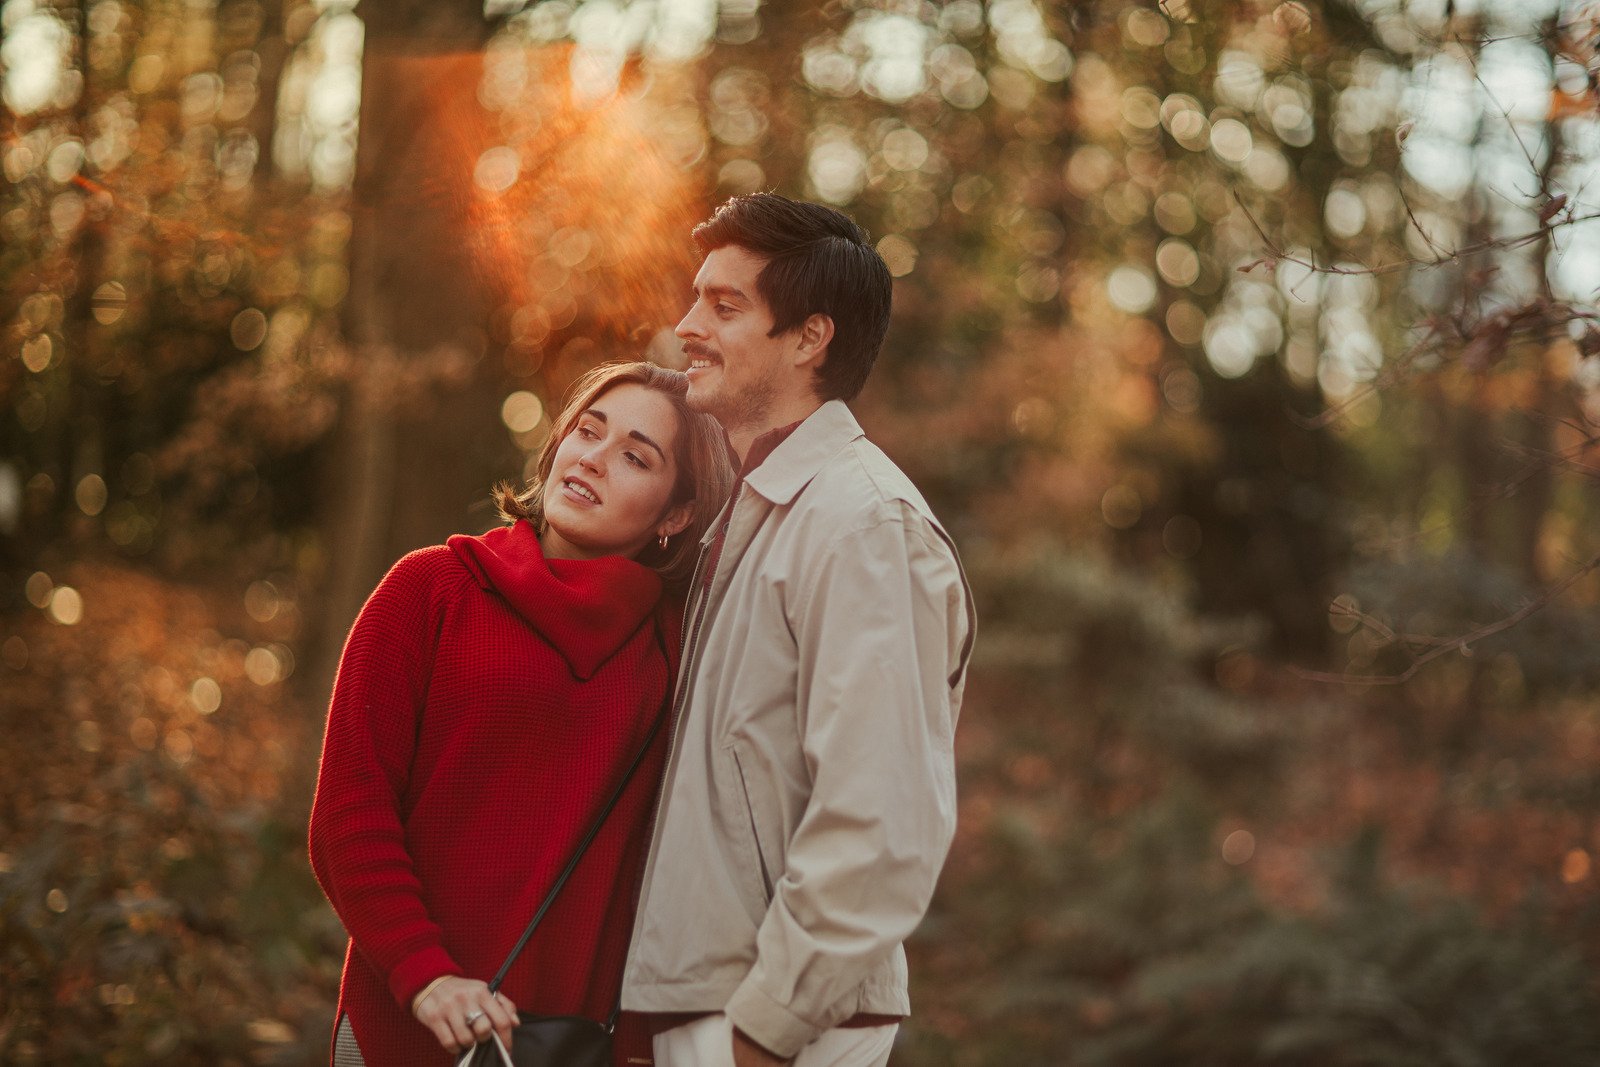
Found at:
(486, 704)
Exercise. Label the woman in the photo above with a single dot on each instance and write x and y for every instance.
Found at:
(491, 695)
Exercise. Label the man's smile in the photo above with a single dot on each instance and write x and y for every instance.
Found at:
(700, 357)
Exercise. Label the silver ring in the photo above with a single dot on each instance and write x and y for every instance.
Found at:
(473, 1017)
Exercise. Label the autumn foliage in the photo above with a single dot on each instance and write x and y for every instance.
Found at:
(1249, 349)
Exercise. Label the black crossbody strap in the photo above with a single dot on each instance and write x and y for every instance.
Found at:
(583, 846)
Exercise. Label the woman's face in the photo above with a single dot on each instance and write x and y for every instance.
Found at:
(613, 475)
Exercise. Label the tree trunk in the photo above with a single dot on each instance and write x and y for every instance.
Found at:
(399, 469)
(1538, 430)
(274, 51)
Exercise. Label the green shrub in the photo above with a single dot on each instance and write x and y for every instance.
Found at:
(1132, 944)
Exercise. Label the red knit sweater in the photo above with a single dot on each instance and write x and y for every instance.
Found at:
(487, 702)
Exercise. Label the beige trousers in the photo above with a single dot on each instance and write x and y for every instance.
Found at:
(708, 1042)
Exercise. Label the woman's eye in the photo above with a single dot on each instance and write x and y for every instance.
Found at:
(637, 461)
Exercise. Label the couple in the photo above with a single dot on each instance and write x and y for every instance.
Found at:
(804, 644)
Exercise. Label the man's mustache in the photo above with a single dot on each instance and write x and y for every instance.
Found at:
(695, 348)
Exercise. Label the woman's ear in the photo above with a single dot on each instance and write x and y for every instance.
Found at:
(676, 520)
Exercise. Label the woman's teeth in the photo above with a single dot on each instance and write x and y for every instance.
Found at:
(582, 491)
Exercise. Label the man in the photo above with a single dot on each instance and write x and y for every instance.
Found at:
(809, 798)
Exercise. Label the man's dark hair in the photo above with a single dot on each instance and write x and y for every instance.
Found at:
(818, 262)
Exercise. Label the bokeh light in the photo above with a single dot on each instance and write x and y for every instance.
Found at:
(66, 605)
(521, 412)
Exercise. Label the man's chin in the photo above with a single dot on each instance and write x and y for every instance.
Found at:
(701, 398)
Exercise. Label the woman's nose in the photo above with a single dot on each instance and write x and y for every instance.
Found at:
(591, 460)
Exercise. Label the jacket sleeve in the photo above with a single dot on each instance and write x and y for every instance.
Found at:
(357, 838)
(882, 640)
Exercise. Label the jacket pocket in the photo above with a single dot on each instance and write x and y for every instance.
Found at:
(761, 866)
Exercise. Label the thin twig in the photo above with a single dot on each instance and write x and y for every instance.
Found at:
(1411, 216)
(1395, 370)
(1511, 124)
(1441, 646)
(1276, 253)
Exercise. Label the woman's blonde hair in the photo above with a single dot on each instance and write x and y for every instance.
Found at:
(705, 472)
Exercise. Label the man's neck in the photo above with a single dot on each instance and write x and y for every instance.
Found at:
(742, 437)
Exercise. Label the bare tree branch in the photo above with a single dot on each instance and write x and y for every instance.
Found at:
(1440, 646)
(1277, 254)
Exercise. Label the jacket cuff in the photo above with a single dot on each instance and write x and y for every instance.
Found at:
(769, 1024)
(416, 971)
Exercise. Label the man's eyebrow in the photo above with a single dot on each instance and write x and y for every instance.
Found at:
(720, 291)
(599, 415)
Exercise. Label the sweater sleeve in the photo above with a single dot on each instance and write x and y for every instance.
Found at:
(357, 837)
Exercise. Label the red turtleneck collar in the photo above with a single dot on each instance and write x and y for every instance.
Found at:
(586, 609)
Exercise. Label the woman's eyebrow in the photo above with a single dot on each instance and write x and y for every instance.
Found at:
(636, 435)
(600, 416)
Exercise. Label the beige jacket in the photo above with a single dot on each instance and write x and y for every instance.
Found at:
(809, 798)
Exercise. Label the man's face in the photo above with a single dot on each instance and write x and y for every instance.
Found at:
(737, 373)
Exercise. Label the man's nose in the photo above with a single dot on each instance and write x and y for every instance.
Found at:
(688, 326)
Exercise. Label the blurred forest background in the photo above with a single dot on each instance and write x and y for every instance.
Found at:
(1248, 347)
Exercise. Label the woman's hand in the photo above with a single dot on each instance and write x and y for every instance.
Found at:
(462, 1012)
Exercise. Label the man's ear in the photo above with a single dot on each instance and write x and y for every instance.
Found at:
(811, 344)
(675, 520)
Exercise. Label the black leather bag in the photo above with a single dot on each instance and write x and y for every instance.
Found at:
(557, 1040)
(546, 1041)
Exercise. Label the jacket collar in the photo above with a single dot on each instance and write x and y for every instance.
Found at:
(796, 461)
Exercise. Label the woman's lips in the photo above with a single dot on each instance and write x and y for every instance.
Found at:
(580, 491)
